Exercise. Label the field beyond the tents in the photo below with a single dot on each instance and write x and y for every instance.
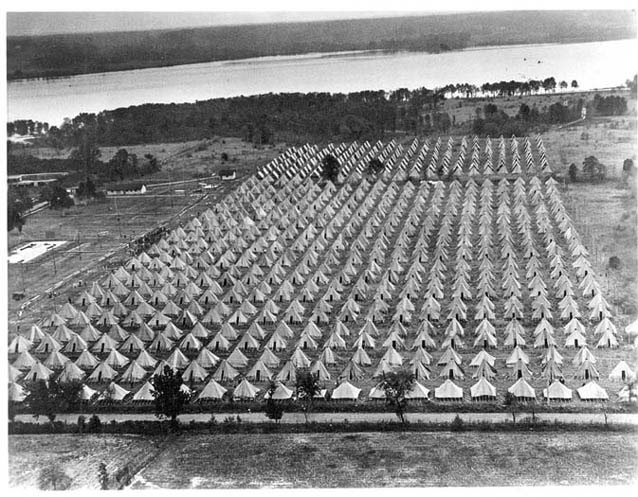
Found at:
(335, 460)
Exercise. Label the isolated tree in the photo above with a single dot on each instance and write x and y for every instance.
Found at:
(58, 197)
(396, 386)
(628, 168)
(40, 401)
(18, 202)
(563, 85)
(86, 189)
(153, 164)
(549, 84)
(614, 262)
(331, 168)
(274, 410)
(574, 84)
(307, 387)
(573, 172)
(85, 156)
(168, 395)
(511, 401)
(375, 166)
(593, 170)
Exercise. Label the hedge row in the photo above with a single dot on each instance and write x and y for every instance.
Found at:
(234, 424)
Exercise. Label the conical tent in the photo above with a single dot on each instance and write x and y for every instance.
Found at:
(346, 391)
(245, 391)
(522, 390)
(194, 373)
(24, 361)
(212, 391)
(417, 392)
(592, 391)
(448, 391)
(16, 393)
(134, 373)
(225, 372)
(483, 389)
(622, 372)
(557, 391)
(113, 393)
(103, 372)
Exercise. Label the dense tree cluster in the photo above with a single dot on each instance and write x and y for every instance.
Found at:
(491, 121)
(48, 398)
(57, 196)
(610, 106)
(259, 119)
(24, 127)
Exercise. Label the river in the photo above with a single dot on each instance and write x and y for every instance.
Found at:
(593, 65)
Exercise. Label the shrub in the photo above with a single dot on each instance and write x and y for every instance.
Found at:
(81, 424)
(457, 424)
(94, 425)
(53, 478)
(614, 262)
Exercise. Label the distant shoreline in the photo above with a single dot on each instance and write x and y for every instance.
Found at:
(307, 56)
(58, 56)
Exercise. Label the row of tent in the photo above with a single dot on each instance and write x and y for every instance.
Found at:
(432, 159)
(482, 390)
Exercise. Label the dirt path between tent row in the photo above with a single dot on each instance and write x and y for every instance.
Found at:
(339, 417)
(329, 459)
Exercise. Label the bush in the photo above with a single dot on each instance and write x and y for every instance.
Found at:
(53, 478)
(457, 424)
(95, 425)
(614, 262)
(81, 424)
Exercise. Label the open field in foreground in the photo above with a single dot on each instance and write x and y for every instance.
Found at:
(77, 456)
(337, 460)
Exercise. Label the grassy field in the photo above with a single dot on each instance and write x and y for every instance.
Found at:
(77, 456)
(605, 216)
(336, 460)
(181, 161)
(464, 109)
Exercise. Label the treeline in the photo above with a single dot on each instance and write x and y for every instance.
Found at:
(63, 55)
(261, 119)
(25, 127)
(508, 88)
(121, 166)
